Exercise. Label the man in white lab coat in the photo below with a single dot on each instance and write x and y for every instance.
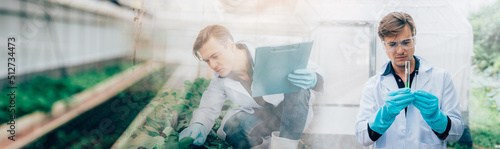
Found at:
(256, 118)
(393, 116)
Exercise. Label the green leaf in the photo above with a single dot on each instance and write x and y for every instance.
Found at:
(185, 142)
(179, 107)
(168, 130)
(170, 145)
(164, 94)
(152, 131)
(152, 123)
(146, 141)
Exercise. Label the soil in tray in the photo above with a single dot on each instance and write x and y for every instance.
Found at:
(101, 126)
(41, 92)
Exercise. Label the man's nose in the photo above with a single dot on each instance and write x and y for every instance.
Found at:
(399, 49)
(212, 64)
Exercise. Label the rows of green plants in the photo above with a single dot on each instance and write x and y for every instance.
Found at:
(39, 93)
(162, 127)
(100, 127)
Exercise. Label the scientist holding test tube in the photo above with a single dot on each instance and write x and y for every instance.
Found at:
(270, 121)
(409, 103)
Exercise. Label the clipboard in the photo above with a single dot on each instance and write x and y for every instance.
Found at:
(274, 63)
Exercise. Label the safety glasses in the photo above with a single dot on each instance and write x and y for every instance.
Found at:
(406, 44)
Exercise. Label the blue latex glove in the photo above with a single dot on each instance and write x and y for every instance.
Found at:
(303, 78)
(395, 101)
(196, 131)
(429, 108)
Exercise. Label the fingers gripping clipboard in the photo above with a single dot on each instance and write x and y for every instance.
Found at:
(274, 63)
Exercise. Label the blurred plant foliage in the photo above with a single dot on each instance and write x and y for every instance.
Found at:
(486, 28)
(485, 80)
(485, 111)
(39, 93)
(172, 115)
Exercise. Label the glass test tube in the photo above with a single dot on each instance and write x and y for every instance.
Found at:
(407, 74)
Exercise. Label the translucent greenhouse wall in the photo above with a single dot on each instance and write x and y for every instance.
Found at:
(53, 36)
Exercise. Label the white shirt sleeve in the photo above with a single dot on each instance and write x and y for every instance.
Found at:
(211, 104)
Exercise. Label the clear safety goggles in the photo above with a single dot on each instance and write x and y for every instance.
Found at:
(406, 44)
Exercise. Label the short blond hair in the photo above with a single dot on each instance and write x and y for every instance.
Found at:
(393, 23)
(219, 32)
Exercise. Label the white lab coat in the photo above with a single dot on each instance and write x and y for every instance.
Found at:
(221, 89)
(411, 131)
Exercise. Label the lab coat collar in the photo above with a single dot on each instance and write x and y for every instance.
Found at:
(250, 48)
(424, 73)
(422, 77)
(235, 85)
(389, 68)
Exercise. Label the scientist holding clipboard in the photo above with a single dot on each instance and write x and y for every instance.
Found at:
(280, 118)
